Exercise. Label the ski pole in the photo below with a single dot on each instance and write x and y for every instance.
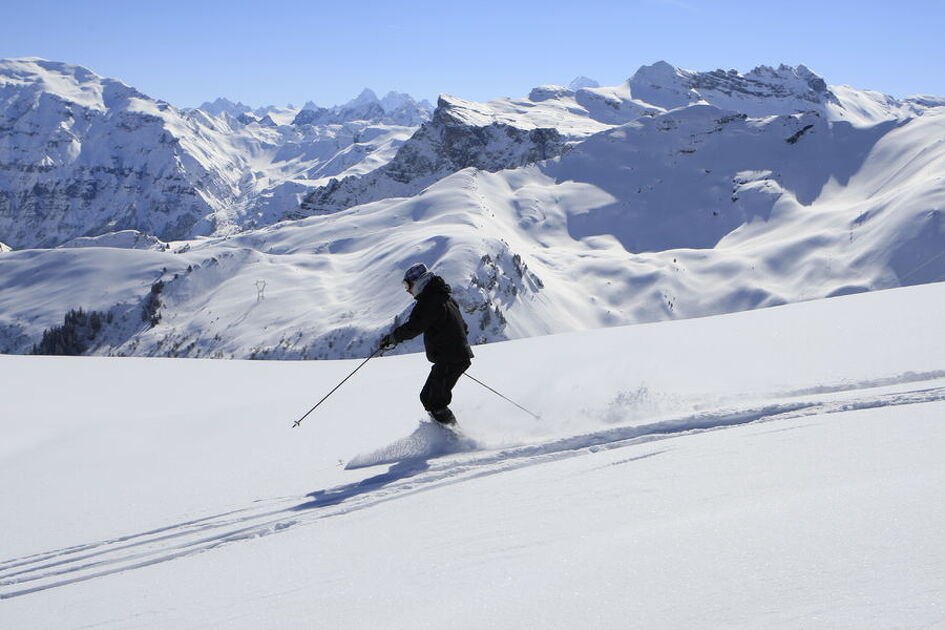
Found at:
(373, 354)
(534, 415)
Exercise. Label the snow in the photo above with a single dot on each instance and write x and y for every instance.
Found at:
(428, 440)
(777, 467)
(767, 91)
(774, 468)
(688, 213)
(572, 209)
(84, 155)
(557, 109)
(125, 239)
(66, 81)
(583, 82)
(221, 105)
(366, 97)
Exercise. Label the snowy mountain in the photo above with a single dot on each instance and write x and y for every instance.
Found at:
(222, 105)
(763, 91)
(779, 468)
(81, 155)
(582, 82)
(460, 135)
(394, 109)
(508, 133)
(675, 195)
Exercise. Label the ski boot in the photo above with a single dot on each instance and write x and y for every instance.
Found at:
(443, 416)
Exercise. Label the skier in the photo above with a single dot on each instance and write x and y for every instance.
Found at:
(437, 316)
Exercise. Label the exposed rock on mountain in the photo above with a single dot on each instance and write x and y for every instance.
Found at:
(448, 143)
(84, 155)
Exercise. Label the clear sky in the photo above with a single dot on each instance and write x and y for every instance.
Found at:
(262, 53)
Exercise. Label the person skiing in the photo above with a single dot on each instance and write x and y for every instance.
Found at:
(436, 314)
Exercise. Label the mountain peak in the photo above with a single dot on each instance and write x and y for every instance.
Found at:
(582, 82)
(69, 82)
(764, 90)
(663, 85)
(220, 105)
(26, 66)
(396, 100)
(366, 97)
(800, 76)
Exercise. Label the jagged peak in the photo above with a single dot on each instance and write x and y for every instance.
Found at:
(779, 89)
(222, 104)
(393, 101)
(366, 97)
(452, 109)
(783, 72)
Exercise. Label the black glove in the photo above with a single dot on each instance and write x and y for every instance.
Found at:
(388, 341)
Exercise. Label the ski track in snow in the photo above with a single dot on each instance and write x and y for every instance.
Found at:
(70, 565)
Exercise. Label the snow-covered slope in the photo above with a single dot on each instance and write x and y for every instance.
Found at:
(507, 133)
(126, 239)
(684, 214)
(778, 468)
(765, 91)
(81, 155)
(460, 135)
(543, 216)
(85, 155)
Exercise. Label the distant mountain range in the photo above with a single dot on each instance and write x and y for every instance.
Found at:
(225, 231)
(82, 155)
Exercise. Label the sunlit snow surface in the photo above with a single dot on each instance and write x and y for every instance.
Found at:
(428, 440)
(778, 468)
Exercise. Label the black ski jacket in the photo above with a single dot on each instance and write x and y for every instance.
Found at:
(437, 316)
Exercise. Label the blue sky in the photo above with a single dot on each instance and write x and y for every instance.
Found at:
(277, 53)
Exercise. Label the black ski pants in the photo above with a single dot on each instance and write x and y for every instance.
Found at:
(437, 392)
